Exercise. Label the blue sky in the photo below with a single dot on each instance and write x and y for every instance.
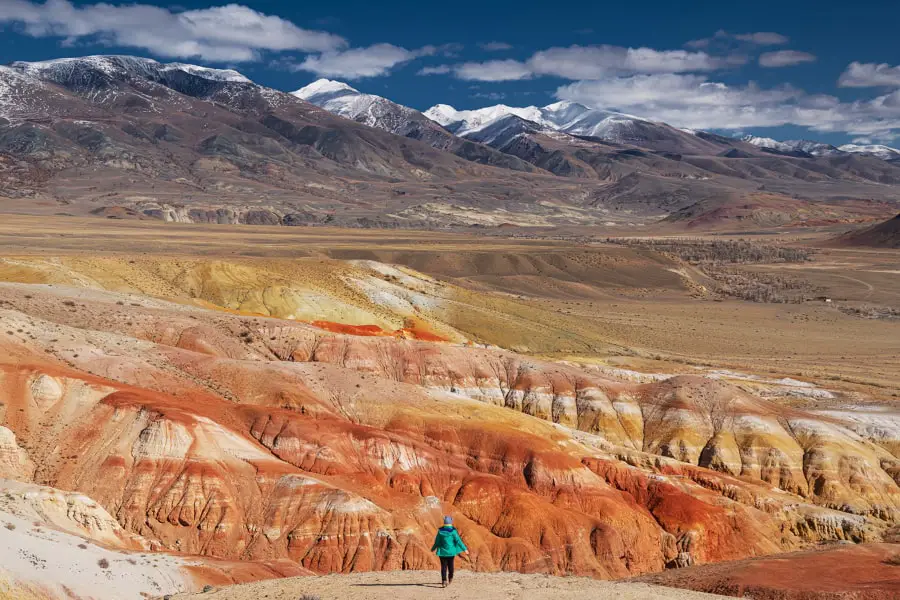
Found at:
(825, 70)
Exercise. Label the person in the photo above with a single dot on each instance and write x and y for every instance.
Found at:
(447, 544)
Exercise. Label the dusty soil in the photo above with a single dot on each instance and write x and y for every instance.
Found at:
(863, 572)
(212, 360)
(417, 585)
(557, 298)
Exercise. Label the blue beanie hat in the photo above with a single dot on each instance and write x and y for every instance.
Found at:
(448, 520)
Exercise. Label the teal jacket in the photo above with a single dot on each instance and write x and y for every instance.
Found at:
(447, 542)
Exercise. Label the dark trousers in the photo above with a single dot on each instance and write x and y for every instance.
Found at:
(447, 568)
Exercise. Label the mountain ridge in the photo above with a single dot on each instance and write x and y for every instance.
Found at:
(128, 137)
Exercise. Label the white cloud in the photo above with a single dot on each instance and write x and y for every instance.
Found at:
(762, 38)
(492, 70)
(495, 96)
(437, 70)
(785, 58)
(585, 62)
(593, 62)
(221, 33)
(695, 102)
(448, 50)
(357, 63)
(870, 75)
(495, 46)
(724, 38)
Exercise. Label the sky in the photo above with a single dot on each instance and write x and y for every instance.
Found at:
(827, 70)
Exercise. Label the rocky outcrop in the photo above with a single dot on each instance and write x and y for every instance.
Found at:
(253, 438)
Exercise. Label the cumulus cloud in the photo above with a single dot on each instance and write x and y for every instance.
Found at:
(493, 70)
(785, 58)
(593, 62)
(495, 46)
(358, 63)
(436, 70)
(870, 75)
(585, 62)
(692, 100)
(221, 33)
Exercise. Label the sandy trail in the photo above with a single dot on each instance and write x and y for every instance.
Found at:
(422, 585)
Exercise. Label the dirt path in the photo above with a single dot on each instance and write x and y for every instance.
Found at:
(869, 287)
(423, 585)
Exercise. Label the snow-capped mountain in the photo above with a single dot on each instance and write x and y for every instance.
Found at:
(375, 111)
(814, 148)
(565, 117)
(876, 150)
(341, 99)
(768, 143)
(465, 122)
(65, 70)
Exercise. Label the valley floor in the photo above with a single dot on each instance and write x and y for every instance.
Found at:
(416, 585)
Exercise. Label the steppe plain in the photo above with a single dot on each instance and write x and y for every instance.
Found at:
(198, 352)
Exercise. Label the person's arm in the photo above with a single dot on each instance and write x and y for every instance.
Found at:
(459, 539)
(434, 545)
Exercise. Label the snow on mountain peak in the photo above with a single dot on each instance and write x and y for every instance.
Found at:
(475, 120)
(114, 66)
(229, 75)
(876, 150)
(766, 142)
(322, 87)
(444, 114)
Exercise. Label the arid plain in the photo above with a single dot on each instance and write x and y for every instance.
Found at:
(221, 404)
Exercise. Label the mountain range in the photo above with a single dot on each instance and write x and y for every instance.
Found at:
(129, 137)
(812, 148)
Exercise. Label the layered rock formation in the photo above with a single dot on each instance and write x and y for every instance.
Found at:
(254, 438)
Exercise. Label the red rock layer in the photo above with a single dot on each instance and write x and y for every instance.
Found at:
(252, 438)
(863, 572)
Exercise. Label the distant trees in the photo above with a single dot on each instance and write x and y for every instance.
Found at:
(699, 251)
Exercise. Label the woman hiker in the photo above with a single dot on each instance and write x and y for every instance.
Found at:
(448, 544)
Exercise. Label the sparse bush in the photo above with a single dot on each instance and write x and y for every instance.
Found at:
(871, 312)
(712, 257)
(10, 526)
(103, 563)
(758, 287)
(893, 560)
(698, 252)
(309, 597)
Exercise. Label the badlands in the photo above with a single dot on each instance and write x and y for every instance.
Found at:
(184, 407)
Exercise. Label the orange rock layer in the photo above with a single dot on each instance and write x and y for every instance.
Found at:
(251, 438)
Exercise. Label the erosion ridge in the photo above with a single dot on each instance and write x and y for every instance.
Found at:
(235, 436)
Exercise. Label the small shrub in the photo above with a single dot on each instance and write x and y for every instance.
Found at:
(893, 560)
(309, 597)
(10, 526)
(103, 563)
(207, 588)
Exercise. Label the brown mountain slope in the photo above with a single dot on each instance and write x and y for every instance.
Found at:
(882, 235)
(124, 137)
